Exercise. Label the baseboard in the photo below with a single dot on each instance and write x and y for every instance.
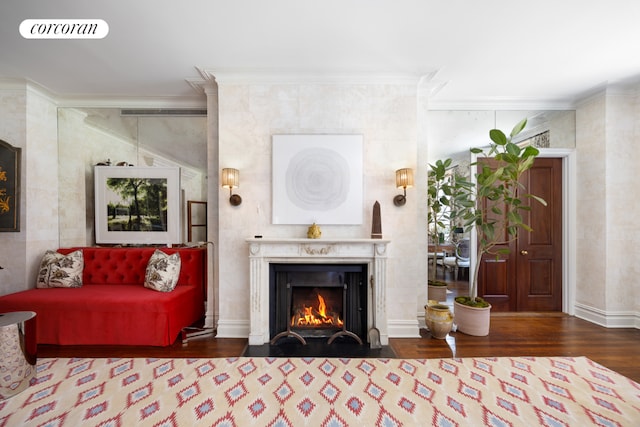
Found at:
(403, 328)
(233, 329)
(608, 319)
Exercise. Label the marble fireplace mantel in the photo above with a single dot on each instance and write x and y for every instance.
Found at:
(264, 251)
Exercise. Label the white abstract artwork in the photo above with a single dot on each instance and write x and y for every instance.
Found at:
(317, 178)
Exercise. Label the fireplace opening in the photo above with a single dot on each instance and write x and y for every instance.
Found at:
(318, 301)
(316, 309)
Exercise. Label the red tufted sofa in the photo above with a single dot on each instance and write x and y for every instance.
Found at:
(113, 306)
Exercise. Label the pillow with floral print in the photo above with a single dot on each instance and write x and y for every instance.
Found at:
(61, 271)
(162, 271)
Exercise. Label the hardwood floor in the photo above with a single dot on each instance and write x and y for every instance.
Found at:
(511, 335)
(546, 334)
(535, 335)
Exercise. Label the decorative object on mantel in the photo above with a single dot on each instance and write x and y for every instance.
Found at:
(9, 187)
(231, 179)
(108, 163)
(376, 222)
(404, 180)
(314, 231)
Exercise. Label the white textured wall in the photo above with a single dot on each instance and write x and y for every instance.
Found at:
(591, 203)
(29, 121)
(386, 115)
(608, 284)
(623, 192)
(13, 130)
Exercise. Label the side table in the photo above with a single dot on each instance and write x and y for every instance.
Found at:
(18, 352)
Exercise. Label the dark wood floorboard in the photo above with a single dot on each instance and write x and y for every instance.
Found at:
(511, 335)
(528, 334)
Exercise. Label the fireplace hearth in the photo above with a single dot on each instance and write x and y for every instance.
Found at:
(318, 301)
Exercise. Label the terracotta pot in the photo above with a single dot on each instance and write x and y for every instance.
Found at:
(438, 319)
(437, 293)
(472, 320)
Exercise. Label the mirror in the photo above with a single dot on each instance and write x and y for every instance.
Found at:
(88, 136)
(196, 221)
(453, 133)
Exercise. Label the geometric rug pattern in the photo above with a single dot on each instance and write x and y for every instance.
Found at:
(332, 392)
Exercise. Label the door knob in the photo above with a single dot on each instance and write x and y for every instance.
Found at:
(524, 252)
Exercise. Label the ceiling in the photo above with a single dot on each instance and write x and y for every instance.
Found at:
(541, 54)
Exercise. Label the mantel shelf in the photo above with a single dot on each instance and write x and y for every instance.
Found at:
(272, 240)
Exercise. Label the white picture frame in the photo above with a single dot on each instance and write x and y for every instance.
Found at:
(117, 221)
(317, 179)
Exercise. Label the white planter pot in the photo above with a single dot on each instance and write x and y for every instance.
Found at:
(437, 293)
(472, 320)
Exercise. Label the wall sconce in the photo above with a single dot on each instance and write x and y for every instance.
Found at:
(404, 179)
(231, 179)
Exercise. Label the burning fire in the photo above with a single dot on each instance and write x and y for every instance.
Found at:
(319, 316)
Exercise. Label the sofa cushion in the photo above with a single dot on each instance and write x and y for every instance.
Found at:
(61, 271)
(162, 271)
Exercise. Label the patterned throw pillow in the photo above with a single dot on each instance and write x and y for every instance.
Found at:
(61, 271)
(162, 271)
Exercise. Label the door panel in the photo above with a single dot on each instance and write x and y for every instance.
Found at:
(539, 253)
(529, 278)
(495, 273)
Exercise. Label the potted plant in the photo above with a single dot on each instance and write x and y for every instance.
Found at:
(439, 191)
(498, 184)
(437, 290)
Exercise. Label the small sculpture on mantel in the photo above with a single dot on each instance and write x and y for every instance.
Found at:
(376, 222)
(314, 232)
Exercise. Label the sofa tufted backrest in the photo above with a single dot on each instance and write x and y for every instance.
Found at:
(113, 266)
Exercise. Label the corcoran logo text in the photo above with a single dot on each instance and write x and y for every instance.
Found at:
(64, 29)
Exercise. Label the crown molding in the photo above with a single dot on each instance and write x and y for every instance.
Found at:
(198, 101)
(295, 77)
(166, 102)
(499, 103)
(26, 85)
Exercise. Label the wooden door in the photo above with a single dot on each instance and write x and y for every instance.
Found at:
(530, 277)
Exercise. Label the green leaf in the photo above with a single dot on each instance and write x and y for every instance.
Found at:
(530, 151)
(514, 218)
(538, 199)
(498, 136)
(519, 127)
(514, 150)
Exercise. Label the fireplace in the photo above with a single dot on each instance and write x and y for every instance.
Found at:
(318, 301)
(370, 253)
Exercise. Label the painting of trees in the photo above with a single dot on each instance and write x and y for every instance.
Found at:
(137, 204)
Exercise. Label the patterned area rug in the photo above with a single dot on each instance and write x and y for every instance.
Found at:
(504, 391)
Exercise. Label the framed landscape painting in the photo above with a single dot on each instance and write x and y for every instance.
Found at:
(137, 205)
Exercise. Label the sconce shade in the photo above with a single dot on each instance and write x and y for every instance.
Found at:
(230, 178)
(404, 178)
